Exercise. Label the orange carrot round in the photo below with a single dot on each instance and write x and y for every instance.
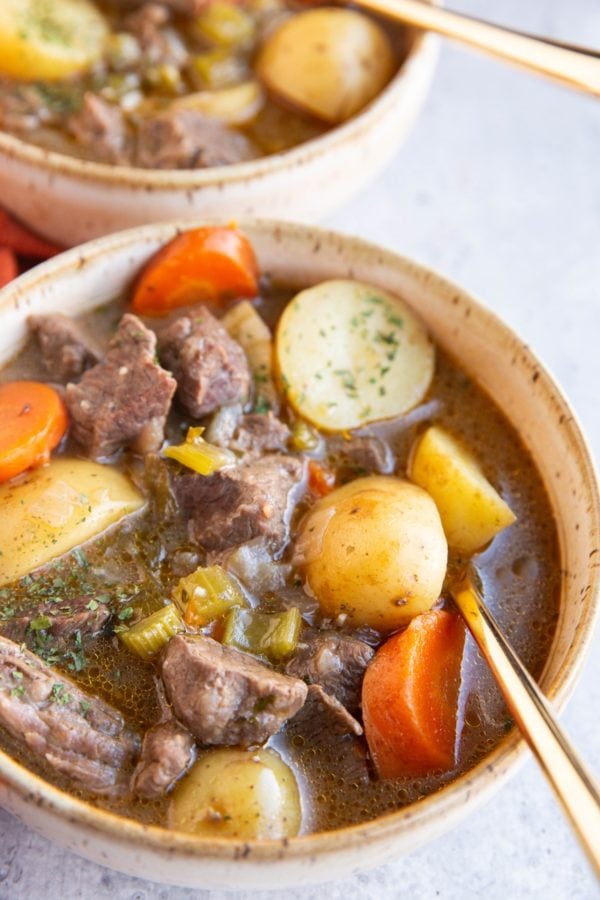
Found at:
(23, 241)
(410, 697)
(9, 268)
(33, 419)
(321, 481)
(206, 265)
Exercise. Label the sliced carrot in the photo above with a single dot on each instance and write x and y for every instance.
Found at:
(206, 265)
(321, 481)
(23, 241)
(410, 697)
(33, 420)
(9, 268)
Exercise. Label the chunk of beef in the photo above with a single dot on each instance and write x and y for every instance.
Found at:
(65, 349)
(168, 751)
(336, 717)
(237, 504)
(363, 453)
(77, 735)
(100, 127)
(125, 398)
(186, 139)
(22, 107)
(210, 367)
(159, 43)
(226, 697)
(334, 661)
(64, 620)
(258, 433)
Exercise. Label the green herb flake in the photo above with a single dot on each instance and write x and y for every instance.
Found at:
(42, 623)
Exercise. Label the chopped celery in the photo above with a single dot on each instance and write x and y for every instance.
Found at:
(197, 454)
(304, 436)
(166, 78)
(225, 24)
(149, 635)
(207, 594)
(274, 636)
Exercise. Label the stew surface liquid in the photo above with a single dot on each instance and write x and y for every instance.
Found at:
(135, 564)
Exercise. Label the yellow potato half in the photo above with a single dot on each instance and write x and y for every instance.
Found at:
(56, 508)
(49, 38)
(472, 511)
(348, 353)
(244, 794)
(328, 62)
(375, 551)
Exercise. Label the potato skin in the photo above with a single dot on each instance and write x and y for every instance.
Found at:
(243, 794)
(374, 550)
(328, 62)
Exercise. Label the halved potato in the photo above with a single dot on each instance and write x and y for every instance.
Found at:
(232, 793)
(373, 550)
(348, 353)
(328, 62)
(56, 508)
(49, 38)
(471, 509)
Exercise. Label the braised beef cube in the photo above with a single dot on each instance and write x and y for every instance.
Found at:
(237, 504)
(168, 751)
(363, 453)
(186, 139)
(335, 717)
(64, 620)
(101, 128)
(65, 349)
(226, 697)
(125, 399)
(74, 733)
(255, 434)
(210, 367)
(334, 661)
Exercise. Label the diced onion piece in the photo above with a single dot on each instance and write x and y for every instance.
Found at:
(234, 105)
(48, 39)
(348, 353)
(206, 594)
(471, 509)
(196, 454)
(253, 334)
(274, 636)
(242, 794)
(150, 635)
(328, 62)
(56, 508)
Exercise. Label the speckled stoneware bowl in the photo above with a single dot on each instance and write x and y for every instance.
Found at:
(90, 275)
(70, 200)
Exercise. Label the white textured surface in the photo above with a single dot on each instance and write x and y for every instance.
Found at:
(499, 188)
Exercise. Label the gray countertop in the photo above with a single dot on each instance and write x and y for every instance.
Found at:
(499, 188)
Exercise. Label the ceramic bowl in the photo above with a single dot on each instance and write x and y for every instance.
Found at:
(90, 275)
(69, 200)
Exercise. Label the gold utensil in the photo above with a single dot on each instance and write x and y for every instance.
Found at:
(578, 67)
(574, 786)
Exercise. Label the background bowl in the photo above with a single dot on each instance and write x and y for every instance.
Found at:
(87, 276)
(69, 200)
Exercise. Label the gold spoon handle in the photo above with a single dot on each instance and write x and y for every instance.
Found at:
(574, 786)
(575, 67)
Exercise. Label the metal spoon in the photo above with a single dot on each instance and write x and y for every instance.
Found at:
(574, 786)
(578, 67)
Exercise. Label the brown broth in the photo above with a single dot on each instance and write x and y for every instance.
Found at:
(138, 562)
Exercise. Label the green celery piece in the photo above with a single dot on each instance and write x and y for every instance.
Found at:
(274, 636)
